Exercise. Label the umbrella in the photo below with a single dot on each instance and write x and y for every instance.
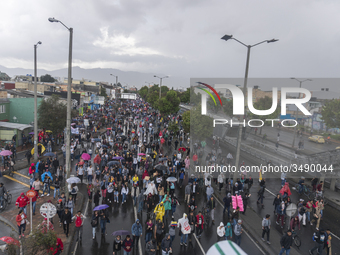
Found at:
(48, 131)
(10, 240)
(104, 146)
(182, 149)
(6, 153)
(49, 154)
(109, 128)
(161, 167)
(162, 140)
(113, 163)
(121, 233)
(73, 124)
(85, 156)
(100, 207)
(32, 133)
(97, 139)
(73, 180)
(141, 154)
(123, 137)
(162, 159)
(117, 158)
(171, 179)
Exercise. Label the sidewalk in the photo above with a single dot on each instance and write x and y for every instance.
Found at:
(8, 217)
(251, 223)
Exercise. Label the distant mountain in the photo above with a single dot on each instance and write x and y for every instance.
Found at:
(136, 79)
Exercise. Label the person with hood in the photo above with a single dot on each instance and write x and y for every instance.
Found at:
(96, 198)
(31, 170)
(94, 223)
(172, 228)
(136, 231)
(294, 222)
(46, 179)
(159, 211)
(117, 245)
(166, 245)
(286, 242)
(228, 232)
(124, 192)
(21, 222)
(210, 192)
(22, 202)
(280, 210)
(127, 245)
(227, 202)
(66, 219)
(167, 204)
(187, 191)
(266, 228)
(285, 191)
(185, 229)
(220, 232)
(151, 247)
(109, 194)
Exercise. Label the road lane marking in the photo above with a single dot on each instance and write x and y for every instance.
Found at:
(199, 244)
(22, 175)
(76, 246)
(251, 239)
(22, 183)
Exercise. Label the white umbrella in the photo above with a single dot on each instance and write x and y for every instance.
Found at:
(171, 179)
(73, 180)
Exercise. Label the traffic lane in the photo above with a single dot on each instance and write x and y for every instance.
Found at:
(121, 217)
(330, 220)
(209, 235)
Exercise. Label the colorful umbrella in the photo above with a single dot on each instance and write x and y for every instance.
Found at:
(73, 124)
(85, 156)
(109, 128)
(48, 131)
(10, 240)
(117, 158)
(6, 153)
(32, 133)
(141, 154)
(171, 179)
(182, 149)
(100, 207)
(49, 154)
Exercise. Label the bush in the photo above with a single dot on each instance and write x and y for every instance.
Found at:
(39, 242)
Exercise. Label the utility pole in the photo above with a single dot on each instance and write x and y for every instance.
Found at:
(35, 105)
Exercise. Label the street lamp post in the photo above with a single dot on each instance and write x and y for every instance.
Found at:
(116, 78)
(296, 111)
(68, 114)
(239, 138)
(35, 104)
(160, 84)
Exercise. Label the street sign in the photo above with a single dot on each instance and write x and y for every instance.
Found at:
(30, 194)
(291, 210)
(48, 210)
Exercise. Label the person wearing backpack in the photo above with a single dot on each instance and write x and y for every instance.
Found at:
(94, 223)
(79, 220)
(319, 239)
(74, 191)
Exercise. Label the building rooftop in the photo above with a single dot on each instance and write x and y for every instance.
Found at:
(11, 125)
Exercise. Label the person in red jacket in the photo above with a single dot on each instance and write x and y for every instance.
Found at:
(31, 170)
(21, 222)
(22, 202)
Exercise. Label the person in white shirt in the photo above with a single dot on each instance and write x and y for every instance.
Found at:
(72, 152)
(90, 173)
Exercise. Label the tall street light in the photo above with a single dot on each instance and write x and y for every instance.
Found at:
(239, 138)
(296, 111)
(160, 84)
(35, 104)
(116, 78)
(68, 116)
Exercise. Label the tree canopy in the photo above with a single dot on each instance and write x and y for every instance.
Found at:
(331, 113)
(103, 92)
(143, 91)
(47, 78)
(185, 96)
(170, 103)
(52, 114)
(186, 121)
(201, 126)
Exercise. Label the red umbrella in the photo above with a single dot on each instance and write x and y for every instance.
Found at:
(182, 149)
(194, 158)
(10, 240)
(109, 128)
(162, 140)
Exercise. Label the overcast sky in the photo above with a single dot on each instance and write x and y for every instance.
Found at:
(176, 38)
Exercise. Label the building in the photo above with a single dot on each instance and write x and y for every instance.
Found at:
(4, 109)
(8, 130)
(4, 77)
(22, 110)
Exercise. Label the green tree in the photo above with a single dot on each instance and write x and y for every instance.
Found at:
(52, 114)
(331, 113)
(173, 126)
(201, 126)
(265, 103)
(185, 96)
(228, 107)
(155, 87)
(103, 92)
(216, 107)
(40, 242)
(169, 103)
(152, 98)
(143, 91)
(195, 98)
(186, 121)
(47, 78)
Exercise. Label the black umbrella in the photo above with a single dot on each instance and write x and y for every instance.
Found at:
(161, 167)
(121, 233)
